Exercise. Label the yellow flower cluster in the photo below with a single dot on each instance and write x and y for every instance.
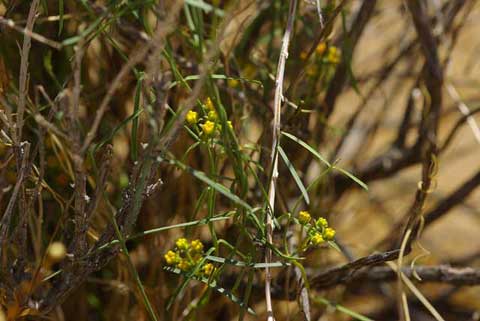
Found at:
(304, 217)
(186, 255)
(320, 50)
(208, 269)
(182, 243)
(209, 125)
(317, 231)
(321, 222)
(325, 54)
(316, 239)
(334, 55)
(192, 117)
(197, 246)
(172, 257)
(329, 233)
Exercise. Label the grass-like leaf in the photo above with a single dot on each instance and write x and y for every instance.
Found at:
(341, 308)
(205, 7)
(322, 159)
(216, 186)
(307, 147)
(352, 177)
(241, 263)
(295, 176)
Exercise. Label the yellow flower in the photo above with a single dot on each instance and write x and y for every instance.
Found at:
(333, 55)
(182, 243)
(329, 233)
(56, 251)
(212, 115)
(230, 125)
(197, 246)
(233, 83)
(304, 55)
(192, 117)
(208, 127)
(207, 269)
(321, 222)
(183, 265)
(171, 257)
(209, 104)
(317, 239)
(304, 217)
(322, 46)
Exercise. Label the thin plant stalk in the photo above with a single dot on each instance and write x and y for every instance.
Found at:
(274, 154)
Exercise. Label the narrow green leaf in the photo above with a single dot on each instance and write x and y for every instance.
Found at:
(352, 177)
(77, 38)
(335, 246)
(307, 147)
(216, 76)
(136, 108)
(343, 309)
(295, 176)
(216, 186)
(321, 158)
(205, 7)
(169, 227)
(242, 264)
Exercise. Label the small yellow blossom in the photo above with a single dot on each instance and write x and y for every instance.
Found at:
(56, 251)
(233, 83)
(208, 269)
(304, 217)
(192, 117)
(212, 115)
(209, 104)
(208, 127)
(333, 55)
(182, 243)
(230, 125)
(321, 222)
(197, 246)
(304, 55)
(183, 265)
(317, 239)
(171, 257)
(329, 233)
(320, 50)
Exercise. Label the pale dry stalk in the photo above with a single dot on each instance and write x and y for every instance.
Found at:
(273, 158)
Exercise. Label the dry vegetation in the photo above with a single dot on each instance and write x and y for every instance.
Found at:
(239, 160)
